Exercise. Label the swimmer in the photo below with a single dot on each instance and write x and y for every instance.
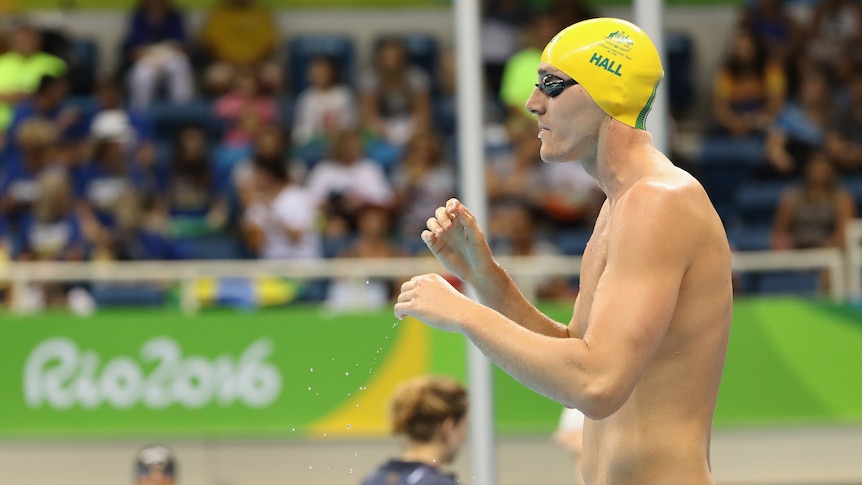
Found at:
(643, 354)
(431, 413)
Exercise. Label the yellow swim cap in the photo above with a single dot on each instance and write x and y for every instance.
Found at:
(616, 63)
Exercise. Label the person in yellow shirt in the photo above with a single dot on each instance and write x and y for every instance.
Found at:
(240, 35)
(21, 69)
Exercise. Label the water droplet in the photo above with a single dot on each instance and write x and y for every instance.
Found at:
(386, 337)
(394, 324)
(309, 388)
(348, 426)
(347, 373)
(324, 435)
(311, 370)
(367, 283)
(357, 405)
(350, 470)
(309, 467)
(293, 430)
(348, 394)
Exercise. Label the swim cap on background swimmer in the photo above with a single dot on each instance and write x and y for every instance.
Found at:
(616, 63)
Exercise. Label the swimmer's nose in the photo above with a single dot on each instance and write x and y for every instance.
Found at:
(535, 103)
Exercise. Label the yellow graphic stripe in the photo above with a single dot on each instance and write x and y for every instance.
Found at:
(366, 413)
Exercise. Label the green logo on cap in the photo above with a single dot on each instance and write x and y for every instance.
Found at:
(620, 37)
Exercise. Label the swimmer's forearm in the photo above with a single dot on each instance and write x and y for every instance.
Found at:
(496, 289)
(558, 368)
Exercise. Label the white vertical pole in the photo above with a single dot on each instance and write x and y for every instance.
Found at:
(473, 192)
(649, 16)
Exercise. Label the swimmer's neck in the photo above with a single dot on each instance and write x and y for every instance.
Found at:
(623, 156)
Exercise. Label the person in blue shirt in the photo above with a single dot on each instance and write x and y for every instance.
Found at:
(18, 184)
(155, 50)
(431, 413)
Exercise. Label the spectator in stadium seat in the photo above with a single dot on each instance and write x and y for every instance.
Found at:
(240, 35)
(834, 35)
(50, 102)
(814, 214)
(246, 109)
(749, 88)
(423, 180)
(52, 232)
(137, 234)
(431, 413)
(844, 134)
(22, 69)
(102, 180)
(394, 95)
(113, 118)
(373, 241)
(350, 175)
(324, 108)
(773, 25)
(155, 51)
(280, 216)
(800, 128)
(20, 188)
(195, 203)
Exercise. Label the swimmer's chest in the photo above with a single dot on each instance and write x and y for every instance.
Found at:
(593, 264)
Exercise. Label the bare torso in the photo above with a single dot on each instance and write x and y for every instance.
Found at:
(661, 435)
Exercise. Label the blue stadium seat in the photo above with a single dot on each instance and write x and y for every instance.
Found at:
(725, 164)
(573, 242)
(302, 49)
(853, 184)
(83, 65)
(751, 237)
(168, 118)
(679, 53)
(756, 202)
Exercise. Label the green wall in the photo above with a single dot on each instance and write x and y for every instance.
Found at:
(304, 372)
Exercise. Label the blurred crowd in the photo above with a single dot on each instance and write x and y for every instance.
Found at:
(350, 161)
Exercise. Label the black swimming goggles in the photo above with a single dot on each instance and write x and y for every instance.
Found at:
(553, 85)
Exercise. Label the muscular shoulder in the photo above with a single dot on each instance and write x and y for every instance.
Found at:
(664, 197)
(669, 209)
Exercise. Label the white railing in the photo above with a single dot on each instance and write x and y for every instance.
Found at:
(844, 269)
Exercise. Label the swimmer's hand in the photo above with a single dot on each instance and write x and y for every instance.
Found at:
(455, 238)
(432, 300)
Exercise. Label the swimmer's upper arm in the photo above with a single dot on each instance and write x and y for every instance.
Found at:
(649, 248)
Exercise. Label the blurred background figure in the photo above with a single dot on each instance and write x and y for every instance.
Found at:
(844, 131)
(22, 68)
(326, 107)
(431, 414)
(155, 465)
(394, 94)
(749, 88)
(239, 35)
(423, 181)
(155, 54)
(814, 214)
